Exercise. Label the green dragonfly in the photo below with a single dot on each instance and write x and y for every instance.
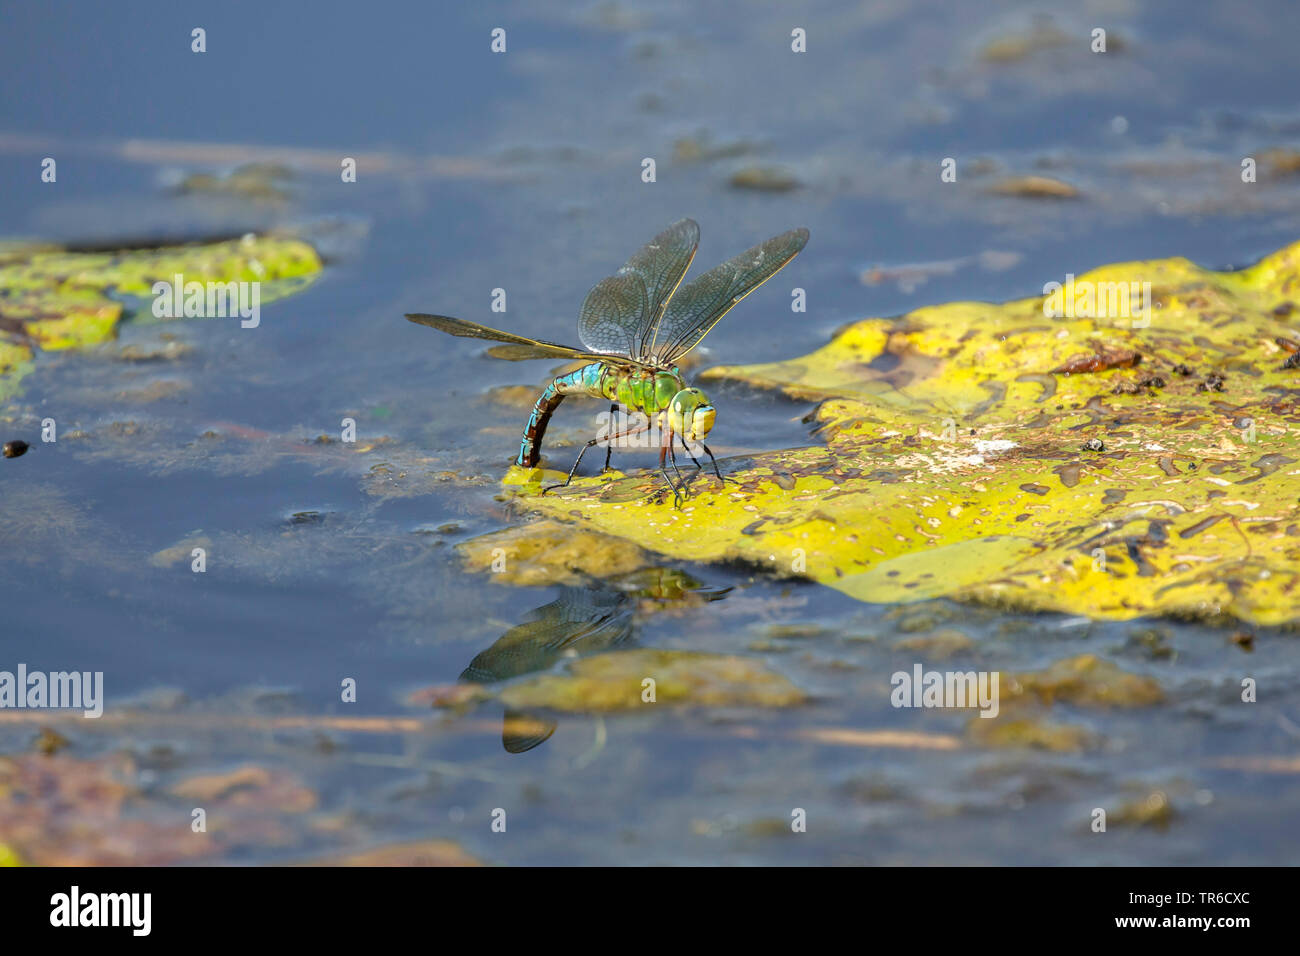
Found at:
(635, 326)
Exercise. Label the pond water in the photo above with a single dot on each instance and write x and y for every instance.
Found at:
(523, 171)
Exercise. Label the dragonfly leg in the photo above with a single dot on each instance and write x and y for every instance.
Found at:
(677, 492)
(665, 450)
(595, 441)
(609, 448)
(715, 466)
(698, 467)
(672, 457)
(687, 449)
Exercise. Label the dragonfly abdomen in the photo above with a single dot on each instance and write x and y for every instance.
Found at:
(584, 381)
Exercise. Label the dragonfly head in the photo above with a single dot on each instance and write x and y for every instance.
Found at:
(691, 414)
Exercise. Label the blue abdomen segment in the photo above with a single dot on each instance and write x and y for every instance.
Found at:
(586, 380)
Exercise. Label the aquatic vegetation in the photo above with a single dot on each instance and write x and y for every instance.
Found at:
(549, 552)
(15, 363)
(1032, 732)
(1082, 681)
(1152, 810)
(255, 182)
(55, 298)
(65, 811)
(987, 453)
(1035, 187)
(249, 787)
(583, 621)
(937, 645)
(616, 682)
(1086, 681)
(770, 179)
(423, 853)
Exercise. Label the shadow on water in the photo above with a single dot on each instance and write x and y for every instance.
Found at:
(584, 620)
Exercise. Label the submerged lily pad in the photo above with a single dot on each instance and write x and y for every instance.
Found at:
(1030, 732)
(614, 682)
(63, 811)
(1086, 681)
(548, 552)
(1113, 467)
(425, 853)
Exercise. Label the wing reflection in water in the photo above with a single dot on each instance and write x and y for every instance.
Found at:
(600, 616)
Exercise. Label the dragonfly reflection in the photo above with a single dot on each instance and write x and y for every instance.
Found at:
(600, 616)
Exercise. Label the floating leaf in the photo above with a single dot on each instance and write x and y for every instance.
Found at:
(60, 299)
(613, 682)
(1153, 810)
(15, 362)
(1030, 732)
(957, 461)
(549, 552)
(1087, 681)
(1035, 187)
(937, 645)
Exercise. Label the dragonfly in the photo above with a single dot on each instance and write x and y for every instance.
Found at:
(635, 326)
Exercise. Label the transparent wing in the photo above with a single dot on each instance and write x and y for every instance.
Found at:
(517, 347)
(698, 305)
(611, 314)
(615, 318)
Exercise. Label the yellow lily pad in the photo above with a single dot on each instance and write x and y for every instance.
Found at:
(15, 362)
(1108, 459)
(617, 682)
(58, 299)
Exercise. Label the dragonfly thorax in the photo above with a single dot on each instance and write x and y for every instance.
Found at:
(663, 395)
(641, 391)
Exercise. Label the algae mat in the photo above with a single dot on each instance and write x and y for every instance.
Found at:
(55, 298)
(1081, 452)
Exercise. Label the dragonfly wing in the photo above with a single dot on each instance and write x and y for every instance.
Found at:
(611, 315)
(659, 265)
(520, 353)
(517, 347)
(698, 305)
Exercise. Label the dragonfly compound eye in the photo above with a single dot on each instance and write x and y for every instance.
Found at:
(701, 423)
(690, 414)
